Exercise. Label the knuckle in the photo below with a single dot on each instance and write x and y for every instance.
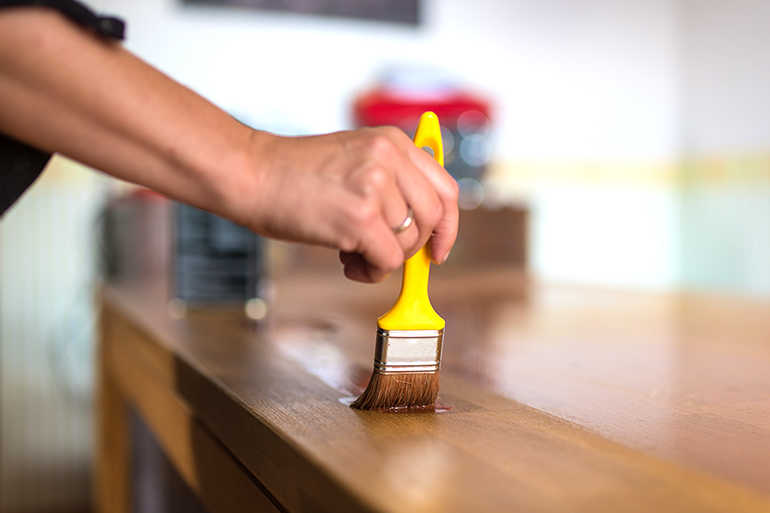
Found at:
(347, 243)
(375, 180)
(393, 132)
(364, 213)
(380, 146)
(454, 190)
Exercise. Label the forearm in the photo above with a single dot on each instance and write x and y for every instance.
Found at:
(65, 91)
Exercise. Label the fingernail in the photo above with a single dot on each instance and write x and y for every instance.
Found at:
(446, 257)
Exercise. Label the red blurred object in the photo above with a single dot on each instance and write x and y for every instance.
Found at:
(381, 106)
(404, 94)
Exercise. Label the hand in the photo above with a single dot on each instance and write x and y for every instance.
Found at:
(348, 190)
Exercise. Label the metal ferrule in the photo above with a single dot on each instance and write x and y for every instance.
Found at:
(408, 351)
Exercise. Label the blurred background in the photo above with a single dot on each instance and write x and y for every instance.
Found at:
(617, 144)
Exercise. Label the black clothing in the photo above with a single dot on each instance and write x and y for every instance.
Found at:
(21, 164)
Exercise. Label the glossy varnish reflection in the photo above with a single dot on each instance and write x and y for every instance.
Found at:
(562, 398)
(683, 376)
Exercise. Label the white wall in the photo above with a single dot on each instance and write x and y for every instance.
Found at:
(725, 204)
(47, 320)
(571, 79)
(573, 82)
(726, 76)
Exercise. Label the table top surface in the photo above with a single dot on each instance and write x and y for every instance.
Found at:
(553, 397)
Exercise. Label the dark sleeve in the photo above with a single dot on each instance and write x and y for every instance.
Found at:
(105, 26)
(21, 164)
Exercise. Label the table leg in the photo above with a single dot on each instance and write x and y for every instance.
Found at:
(112, 454)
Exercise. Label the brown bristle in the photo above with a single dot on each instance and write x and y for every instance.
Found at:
(398, 391)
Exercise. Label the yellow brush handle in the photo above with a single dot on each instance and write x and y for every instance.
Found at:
(413, 310)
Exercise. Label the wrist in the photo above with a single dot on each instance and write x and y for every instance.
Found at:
(244, 193)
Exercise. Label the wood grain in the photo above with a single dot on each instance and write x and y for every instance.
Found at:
(562, 398)
(203, 462)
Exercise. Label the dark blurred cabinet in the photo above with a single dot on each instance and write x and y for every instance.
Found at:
(492, 237)
(488, 237)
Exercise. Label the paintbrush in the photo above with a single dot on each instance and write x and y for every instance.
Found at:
(407, 354)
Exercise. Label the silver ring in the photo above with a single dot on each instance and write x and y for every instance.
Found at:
(406, 223)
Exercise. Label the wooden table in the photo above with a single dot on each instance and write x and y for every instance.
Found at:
(557, 399)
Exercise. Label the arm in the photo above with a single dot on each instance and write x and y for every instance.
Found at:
(63, 90)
